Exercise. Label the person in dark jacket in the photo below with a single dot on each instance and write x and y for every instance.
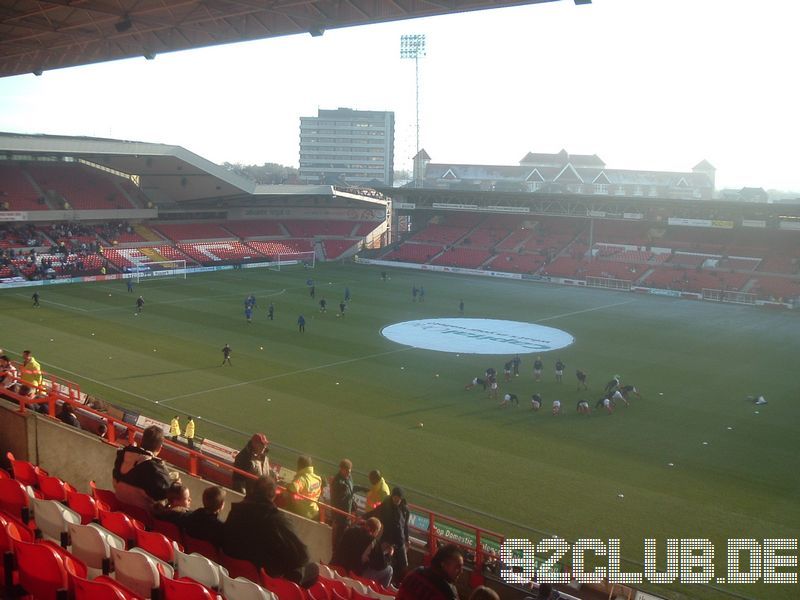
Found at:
(256, 530)
(140, 477)
(436, 582)
(68, 416)
(361, 551)
(342, 490)
(393, 515)
(251, 459)
(204, 523)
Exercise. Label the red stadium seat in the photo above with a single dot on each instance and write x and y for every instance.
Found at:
(25, 472)
(22, 532)
(14, 499)
(4, 474)
(120, 524)
(170, 530)
(43, 572)
(156, 544)
(85, 506)
(239, 568)
(282, 588)
(98, 589)
(203, 547)
(184, 589)
(319, 591)
(106, 496)
(336, 587)
(53, 488)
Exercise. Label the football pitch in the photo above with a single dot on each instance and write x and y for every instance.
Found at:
(691, 459)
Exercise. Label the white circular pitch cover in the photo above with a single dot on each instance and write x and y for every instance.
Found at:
(477, 336)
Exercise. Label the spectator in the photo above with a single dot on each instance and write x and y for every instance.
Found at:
(178, 505)
(257, 531)
(393, 515)
(174, 428)
(306, 488)
(436, 582)
(545, 591)
(31, 375)
(140, 477)
(342, 490)
(204, 523)
(361, 551)
(251, 459)
(379, 490)
(188, 433)
(68, 416)
(8, 374)
(483, 593)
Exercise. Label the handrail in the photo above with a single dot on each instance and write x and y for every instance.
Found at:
(59, 390)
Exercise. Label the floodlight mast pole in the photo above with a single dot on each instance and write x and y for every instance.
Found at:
(413, 46)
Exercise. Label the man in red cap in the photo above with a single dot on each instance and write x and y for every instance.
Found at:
(251, 459)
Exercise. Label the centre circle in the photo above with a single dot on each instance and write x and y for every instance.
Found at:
(477, 336)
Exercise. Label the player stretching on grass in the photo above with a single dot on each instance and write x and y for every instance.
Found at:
(476, 381)
(536, 402)
(559, 371)
(509, 399)
(226, 355)
(581, 375)
(583, 407)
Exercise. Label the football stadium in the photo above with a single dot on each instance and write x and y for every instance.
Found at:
(568, 380)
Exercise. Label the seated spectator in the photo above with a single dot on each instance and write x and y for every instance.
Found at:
(306, 488)
(8, 374)
(68, 416)
(140, 477)
(378, 491)
(177, 507)
(361, 551)
(256, 530)
(483, 593)
(204, 523)
(251, 459)
(436, 582)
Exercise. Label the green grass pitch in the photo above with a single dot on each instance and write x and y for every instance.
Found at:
(341, 390)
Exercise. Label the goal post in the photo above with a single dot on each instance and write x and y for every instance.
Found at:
(307, 260)
(608, 283)
(728, 296)
(163, 269)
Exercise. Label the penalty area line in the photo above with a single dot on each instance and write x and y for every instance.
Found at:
(587, 310)
(287, 374)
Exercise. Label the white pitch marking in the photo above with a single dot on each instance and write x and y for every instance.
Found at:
(57, 304)
(579, 312)
(287, 374)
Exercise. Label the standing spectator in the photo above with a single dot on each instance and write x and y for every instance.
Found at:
(251, 459)
(257, 531)
(378, 491)
(360, 551)
(393, 514)
(306, 488)
(436, 582)
(483, 593)
(188, 433)
(204, 523)
(31, 375)
(140, 477)
(174, 428)
(342, 490)
(68, 416)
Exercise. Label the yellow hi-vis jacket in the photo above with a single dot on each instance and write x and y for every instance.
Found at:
(377, 494)
(189, 431)
(174, 427)
(308, 484)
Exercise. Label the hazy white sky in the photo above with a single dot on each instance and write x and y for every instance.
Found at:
(650, 84)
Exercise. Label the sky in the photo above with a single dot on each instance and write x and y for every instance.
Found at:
(644, 84)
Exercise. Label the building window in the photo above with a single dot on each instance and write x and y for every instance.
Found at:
(600, 188)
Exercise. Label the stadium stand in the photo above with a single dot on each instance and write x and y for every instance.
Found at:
(516, 263)
(462, 257)
(180, 232)
(442, 234)
(212, 252)
(419, 253)
(17, 192)
(314, 228)
(255, 229)
(335, 248)
(284, 248)
(82, 187)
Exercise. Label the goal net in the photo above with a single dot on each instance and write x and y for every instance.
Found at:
(608, 283)
(307, 260)
(163, 269)
(729, 296)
